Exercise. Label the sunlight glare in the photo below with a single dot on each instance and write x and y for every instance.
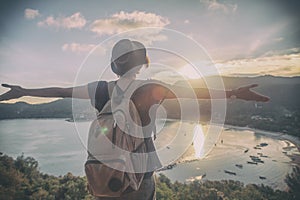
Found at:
(189, 72)
(198, 141)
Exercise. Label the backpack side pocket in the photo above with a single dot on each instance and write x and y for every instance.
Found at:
(104, 181)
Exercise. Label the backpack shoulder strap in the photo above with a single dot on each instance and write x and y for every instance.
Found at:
(110, 87)
(107, 108)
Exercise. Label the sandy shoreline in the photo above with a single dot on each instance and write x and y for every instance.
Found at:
(275, 135)
(189, 155)
(237, 145)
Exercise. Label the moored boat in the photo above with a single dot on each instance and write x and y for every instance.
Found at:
(229, 172)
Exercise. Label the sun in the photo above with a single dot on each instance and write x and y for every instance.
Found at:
(189, 72)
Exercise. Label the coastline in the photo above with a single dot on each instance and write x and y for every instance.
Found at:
(189, 155)
(230, 156)
(35, 139)
(274, 135)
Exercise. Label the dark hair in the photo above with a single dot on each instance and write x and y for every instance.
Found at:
(128, 55)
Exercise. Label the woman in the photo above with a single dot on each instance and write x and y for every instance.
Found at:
(128, 57)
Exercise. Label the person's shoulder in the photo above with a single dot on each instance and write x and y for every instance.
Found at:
(97, 82)
(151, 83)
(151, 86)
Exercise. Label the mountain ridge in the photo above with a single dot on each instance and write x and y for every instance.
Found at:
(281, 114)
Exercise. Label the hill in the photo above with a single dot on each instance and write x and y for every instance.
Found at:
(61, 108)
(281, 114)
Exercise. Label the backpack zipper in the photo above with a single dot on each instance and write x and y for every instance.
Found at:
(114, 134)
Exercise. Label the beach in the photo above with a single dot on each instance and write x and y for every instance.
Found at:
(243, 154)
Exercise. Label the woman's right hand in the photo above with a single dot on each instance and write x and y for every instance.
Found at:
(14, 92)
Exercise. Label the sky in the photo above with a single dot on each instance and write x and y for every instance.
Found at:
(45, 43)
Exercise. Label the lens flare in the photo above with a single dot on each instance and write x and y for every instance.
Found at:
(198, 141)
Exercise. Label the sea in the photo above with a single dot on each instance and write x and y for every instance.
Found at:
(60, 147)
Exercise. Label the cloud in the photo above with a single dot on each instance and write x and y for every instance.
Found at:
(76, 20)
(31, 14)
(276, 65)
(279, 39)
(266, 38)
(186, 21)
(124, 21)
(147, 26)
(82, 48)
(214, 5)
(282, 52)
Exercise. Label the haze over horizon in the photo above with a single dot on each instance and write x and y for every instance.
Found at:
(43, 43)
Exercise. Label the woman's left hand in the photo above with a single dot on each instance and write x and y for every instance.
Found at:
(14, 92)
(247, 94)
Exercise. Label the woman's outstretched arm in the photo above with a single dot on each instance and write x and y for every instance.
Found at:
(16, 91)
(170, 92)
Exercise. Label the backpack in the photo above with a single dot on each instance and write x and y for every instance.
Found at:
(117, 152)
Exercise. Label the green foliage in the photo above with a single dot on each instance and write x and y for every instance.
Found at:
(20, 179)
(163, 189)
(214, 190)
(293, 181)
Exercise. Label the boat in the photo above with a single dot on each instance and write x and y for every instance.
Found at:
(250, 162)
(169, 167)
(262, 177)
(229, 172)
(258, 161)
(239, 166)
(254, 157)
(263, 144)
(69, 120)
